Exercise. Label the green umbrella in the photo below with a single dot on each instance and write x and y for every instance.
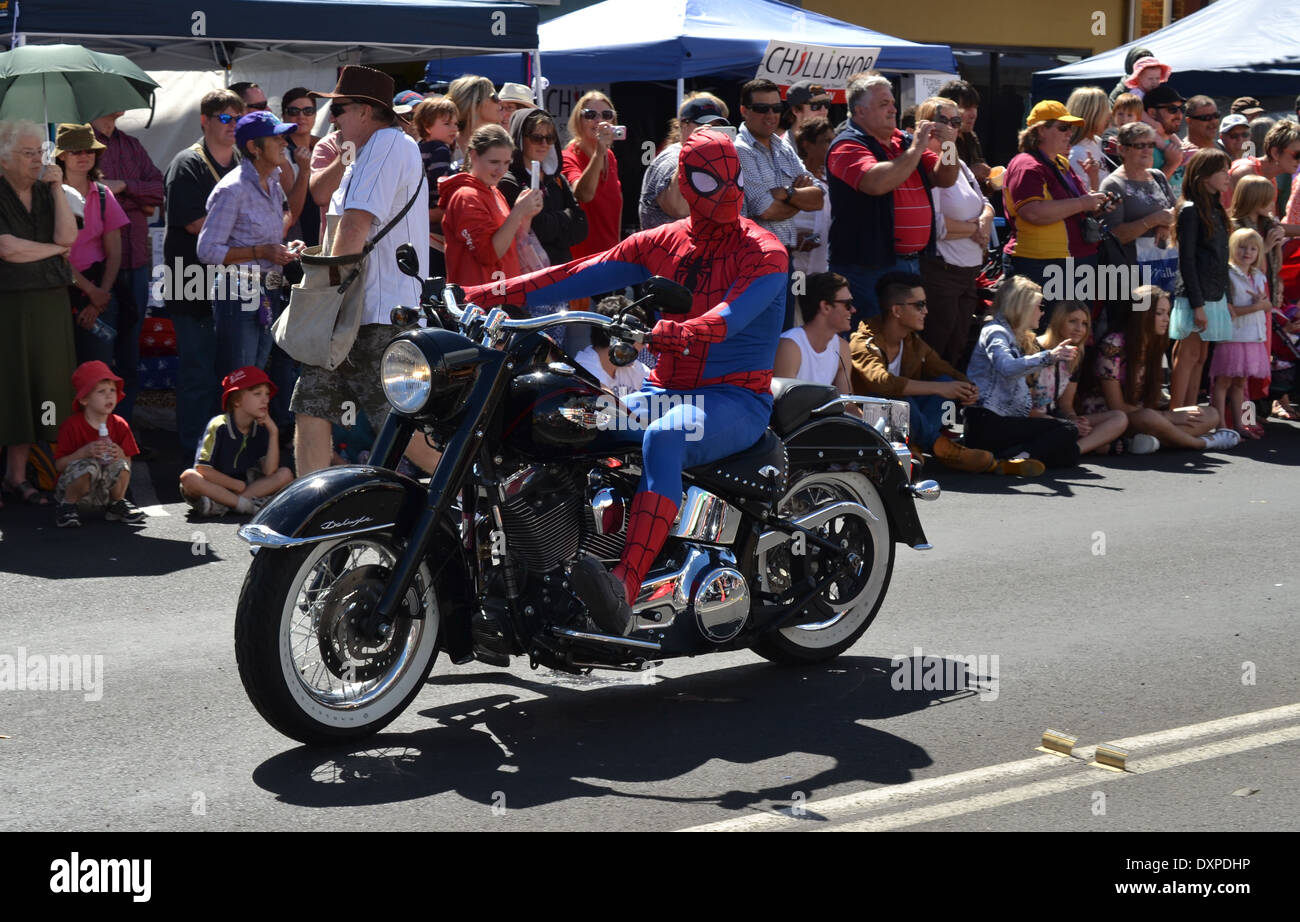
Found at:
(69, 83)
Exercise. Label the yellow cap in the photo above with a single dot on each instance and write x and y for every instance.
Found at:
(1050, 110)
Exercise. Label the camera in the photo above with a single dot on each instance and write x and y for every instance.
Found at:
(620, 132)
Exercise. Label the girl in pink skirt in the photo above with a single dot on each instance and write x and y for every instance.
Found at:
(1246, 354)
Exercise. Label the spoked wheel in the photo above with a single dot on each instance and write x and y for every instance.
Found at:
(307, 664)
(852, 598)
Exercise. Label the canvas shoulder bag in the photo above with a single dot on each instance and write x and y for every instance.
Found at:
(320, 325)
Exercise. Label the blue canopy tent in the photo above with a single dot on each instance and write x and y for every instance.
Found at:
(367, 30)
(623, 40)
(1246, 47)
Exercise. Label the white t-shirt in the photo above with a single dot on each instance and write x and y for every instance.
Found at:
(962, 201)
(381, 180)
(626, 380)
(895, 365)
(1080, 152)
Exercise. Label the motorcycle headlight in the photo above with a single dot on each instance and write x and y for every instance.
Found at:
(406, 376)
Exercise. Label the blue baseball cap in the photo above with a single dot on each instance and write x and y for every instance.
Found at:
(260, 124)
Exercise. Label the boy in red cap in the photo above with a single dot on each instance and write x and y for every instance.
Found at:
(93, 452)
(227, 473)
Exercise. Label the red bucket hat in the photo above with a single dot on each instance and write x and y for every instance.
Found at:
(87, 375)
(241, 379)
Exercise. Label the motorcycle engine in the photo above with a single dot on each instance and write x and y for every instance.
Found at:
(542, 513)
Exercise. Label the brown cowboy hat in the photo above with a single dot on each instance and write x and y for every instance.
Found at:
(365, 84)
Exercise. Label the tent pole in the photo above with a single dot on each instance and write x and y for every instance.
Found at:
(681, 91)
(538, 93)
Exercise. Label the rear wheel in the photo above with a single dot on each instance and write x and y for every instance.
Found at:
(852, 599)
(305, 664)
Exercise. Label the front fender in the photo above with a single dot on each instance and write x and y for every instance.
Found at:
(844, 440)
(334, 502)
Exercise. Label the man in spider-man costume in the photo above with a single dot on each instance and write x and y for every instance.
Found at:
(719, 358)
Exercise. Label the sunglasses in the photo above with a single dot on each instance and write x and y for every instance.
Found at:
(1062, 127)
(605, 115)
(338, 107)
(1142, 145)
(818, 106)
(919, 305)
(1211, 117)
(847, 302)
(1171, 108)
(292, 111)
(226, 118)
(257, 106)
(954, 122)
(1237, 136)
(542, 138)
(763, 108)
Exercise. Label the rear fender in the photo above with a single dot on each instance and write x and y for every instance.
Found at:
(846, 441)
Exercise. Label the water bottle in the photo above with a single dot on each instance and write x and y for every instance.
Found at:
(103, 331)
(103, 434)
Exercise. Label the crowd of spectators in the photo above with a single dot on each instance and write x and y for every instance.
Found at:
(901, 284)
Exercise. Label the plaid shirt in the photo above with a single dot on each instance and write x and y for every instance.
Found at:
(765, 169)
(124, 158)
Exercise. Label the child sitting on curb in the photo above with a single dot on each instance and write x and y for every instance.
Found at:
(226, 473)
(93, 452)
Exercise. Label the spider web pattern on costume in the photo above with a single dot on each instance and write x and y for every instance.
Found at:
(649, 519)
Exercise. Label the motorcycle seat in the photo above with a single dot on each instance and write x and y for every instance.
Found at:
(794, 400)
(739, 474)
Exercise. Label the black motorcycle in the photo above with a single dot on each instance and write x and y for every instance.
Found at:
(361, 574)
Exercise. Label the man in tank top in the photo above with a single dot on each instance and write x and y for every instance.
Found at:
(817, 351)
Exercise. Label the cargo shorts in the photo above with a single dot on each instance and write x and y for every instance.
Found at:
(354, 384)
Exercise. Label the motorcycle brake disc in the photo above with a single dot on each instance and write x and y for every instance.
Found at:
(344, 651)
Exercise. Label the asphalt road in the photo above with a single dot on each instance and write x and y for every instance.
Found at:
(1125, 598)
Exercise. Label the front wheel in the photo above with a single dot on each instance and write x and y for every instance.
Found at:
(850, 601)
(305, 666)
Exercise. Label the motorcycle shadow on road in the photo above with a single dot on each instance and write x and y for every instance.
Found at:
(593, 736)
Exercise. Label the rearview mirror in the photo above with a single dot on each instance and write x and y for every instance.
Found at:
(668, 297)
(408, 260)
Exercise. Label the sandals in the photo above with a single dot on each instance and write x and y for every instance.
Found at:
(26, 492)
(1282, 412)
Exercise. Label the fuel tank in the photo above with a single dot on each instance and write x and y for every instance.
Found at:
(558, 411)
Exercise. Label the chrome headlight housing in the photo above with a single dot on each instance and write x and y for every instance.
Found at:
(406, 376)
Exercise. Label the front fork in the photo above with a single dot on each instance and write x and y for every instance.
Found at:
(452, 471)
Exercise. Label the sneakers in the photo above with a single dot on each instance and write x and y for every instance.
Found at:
(961, 458)
(66, 516)
(1143, 444)
(123, 510)
(1021, 467)
(1221, 439)
(206, 507)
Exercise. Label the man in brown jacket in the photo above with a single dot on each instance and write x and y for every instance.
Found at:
(890, 359)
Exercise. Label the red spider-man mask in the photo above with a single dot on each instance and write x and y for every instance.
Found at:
(708, 172)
